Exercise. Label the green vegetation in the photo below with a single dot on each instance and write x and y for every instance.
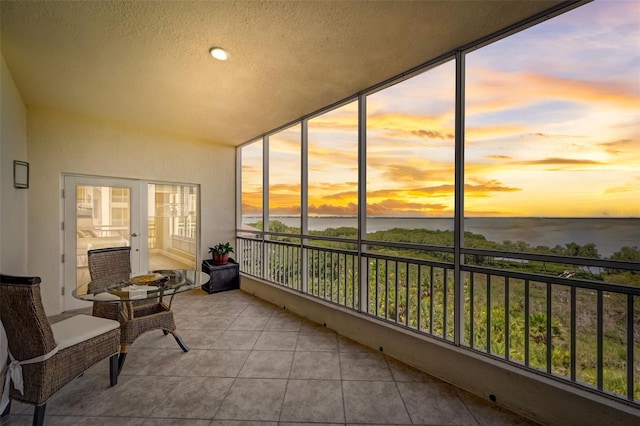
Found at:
(446, 238)
(495, 317)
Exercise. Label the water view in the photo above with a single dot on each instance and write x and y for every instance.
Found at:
(608, 234)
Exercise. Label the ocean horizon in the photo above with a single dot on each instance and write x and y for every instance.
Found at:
(607, 233)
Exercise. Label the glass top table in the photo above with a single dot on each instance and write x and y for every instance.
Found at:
(158, 283)
(129, 301)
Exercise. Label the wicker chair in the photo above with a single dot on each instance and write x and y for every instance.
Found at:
(109, 265)
(62, 351)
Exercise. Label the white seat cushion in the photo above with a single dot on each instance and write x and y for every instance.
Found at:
(79, 328)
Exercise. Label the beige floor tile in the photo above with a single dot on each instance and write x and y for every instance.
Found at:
(313, 401)
(267, 364)
(15, 419)
(136, 396)
(19, 407)
(404, 373)
(190, 309)
(219, 363)
(348, 345)
(202, 322)
(257, 310)
(373, 402)
(309, 326)
(253, 399)
(315, 365)
(488, 413)
(80, 396)
(160, 362)
(435, 403)
(195, 398)
(308, 424)
(176, 422)
(236, 339)
(92, 421)
(277, 341)
(227, 310)
(364, 366)
(156, 339)
(200, 339)
(317, 341)
(284, 322)
(249, 323)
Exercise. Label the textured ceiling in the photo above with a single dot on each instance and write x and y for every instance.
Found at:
(147, 63)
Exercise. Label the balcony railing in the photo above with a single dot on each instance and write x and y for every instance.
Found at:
(576, 330)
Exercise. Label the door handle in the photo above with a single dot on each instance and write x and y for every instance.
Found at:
(134, 235)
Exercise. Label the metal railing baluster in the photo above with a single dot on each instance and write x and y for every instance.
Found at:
(600, 338)
(488, 293)
(527, 323)
(573, 334)
(630, 349)
(507, 329)
(431, 300)
(548, 339)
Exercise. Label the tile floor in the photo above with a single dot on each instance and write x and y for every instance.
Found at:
(252, 363)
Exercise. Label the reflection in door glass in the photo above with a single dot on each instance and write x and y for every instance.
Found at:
(102, 220)
(172, 222)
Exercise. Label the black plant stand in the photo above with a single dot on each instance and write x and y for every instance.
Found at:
(223, 277)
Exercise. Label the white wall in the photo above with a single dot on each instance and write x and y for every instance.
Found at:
(64, 143)
(13, 202)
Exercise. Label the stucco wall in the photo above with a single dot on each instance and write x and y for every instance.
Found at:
(61, 143)
(13, 202)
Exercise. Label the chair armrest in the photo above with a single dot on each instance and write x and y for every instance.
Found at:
(80, 328)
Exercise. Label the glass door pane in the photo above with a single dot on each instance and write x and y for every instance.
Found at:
(98, 213)
(172, 226)
(103, 218)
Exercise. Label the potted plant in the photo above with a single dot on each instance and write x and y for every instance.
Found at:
(221, 252)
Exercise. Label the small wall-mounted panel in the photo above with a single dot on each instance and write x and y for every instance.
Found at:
(20, 174)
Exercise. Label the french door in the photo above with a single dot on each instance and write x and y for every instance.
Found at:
(159, 222)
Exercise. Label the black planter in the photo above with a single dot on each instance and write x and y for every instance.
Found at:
(222, 277)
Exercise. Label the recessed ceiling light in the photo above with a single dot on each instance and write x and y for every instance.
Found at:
(219, 53)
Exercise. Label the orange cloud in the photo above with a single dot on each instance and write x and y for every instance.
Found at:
(627, 187)
(421, 134)
(342, 195)
(320, 187)
(621, 146)
(407, 193)
(560, 161)
(494, 131)
(407, 173)
(283, 188)
(614, 93)
(487, 188)
(251, 208)
(398, 125)
(284, 211)
(402, 208)
(404, 205)
(492, 90)
(413, 170)
(555, 161)
(332, 210)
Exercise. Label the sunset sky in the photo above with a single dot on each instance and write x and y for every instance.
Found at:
(552, 128)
